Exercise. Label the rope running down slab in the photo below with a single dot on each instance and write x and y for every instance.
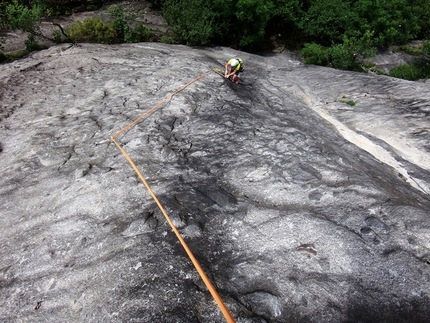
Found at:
(196, 264)
(159, 104)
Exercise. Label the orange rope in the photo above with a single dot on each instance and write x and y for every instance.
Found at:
(196, 264)
(158, 104)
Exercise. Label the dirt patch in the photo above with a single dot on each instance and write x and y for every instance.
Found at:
(140, 11)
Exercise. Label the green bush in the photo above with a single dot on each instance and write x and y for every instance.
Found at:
(24, 18)
(347, 56)
(315, 54)
(92, 30)
(392, 21)
(57, 36)
(342, 57)
(417, 70)
(119, 22)
(198, 22)
(326, 21)
(31, 43)
(167, 40)
(250, 24)
(337, 33)
(252, 18)
(426, 49)
(411, 50)
(138, 34)
(412, 72)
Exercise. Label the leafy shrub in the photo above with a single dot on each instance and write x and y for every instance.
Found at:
(92, 30)
(426, 49)
(138, 34)
(252, 18)
(347, 56)
(411, 50)
(326, 21)
(350, 54)
(119, 22)
(315, 54)
(56, 35)
(407, 71)
(250, 24)
(24, 18)
(198, 22)
(412, 72)
(392, 21)
(31, 44)
(167, 40)
(342, 57)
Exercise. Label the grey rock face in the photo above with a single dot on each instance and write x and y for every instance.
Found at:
(300, 207)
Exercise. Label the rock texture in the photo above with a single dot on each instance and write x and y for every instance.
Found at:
(299, 206)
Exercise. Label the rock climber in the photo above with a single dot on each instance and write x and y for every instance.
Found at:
(236, 66)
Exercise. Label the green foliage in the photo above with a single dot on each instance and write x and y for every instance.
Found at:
(411, 50)
(92, 30)
(57, 36)
(336, 33)
(24, 18)
(347, 56)
(350, 54)
(119, 22)
(252, 18)
(5, 58)
(289, 12)
(426, 49)
(349, 102)
(16, 54)
(420, 69)
(167, 40)
(342, 56)
(249, 24)
(410, 72)
(199, 22)
(392, 21)
(31, 44)
(2, 22)
(326, 21)
(315, 54)
(138, 34)
(123, 32)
